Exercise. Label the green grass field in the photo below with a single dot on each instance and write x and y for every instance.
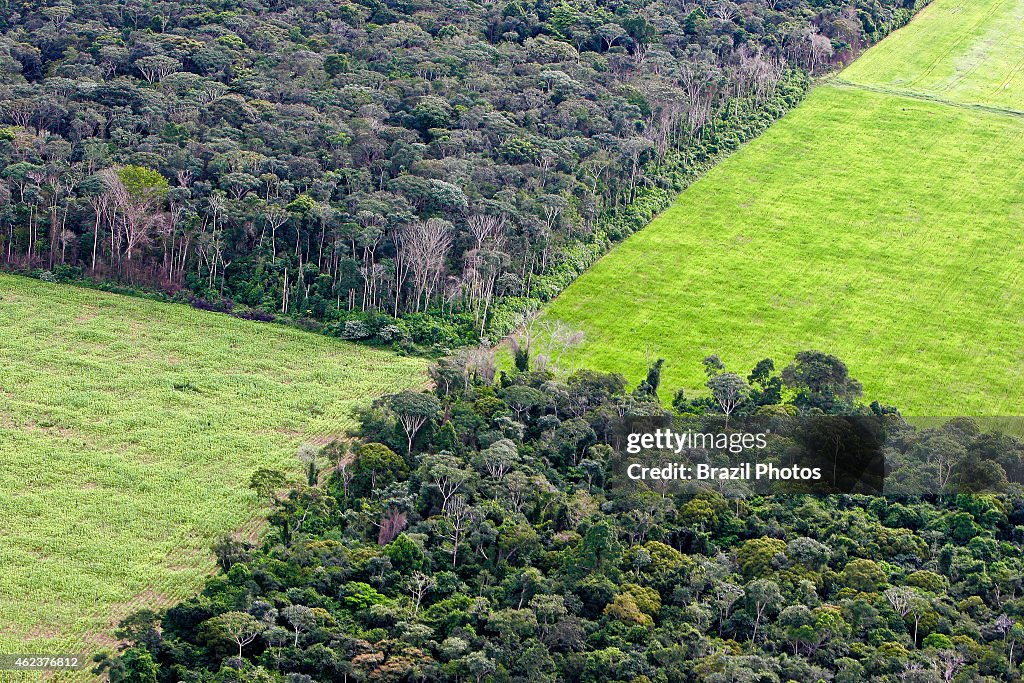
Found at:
(965, 51)
(128, 432)
(882, 228)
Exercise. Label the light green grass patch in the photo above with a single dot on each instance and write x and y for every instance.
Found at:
(964, 51)
(128, 433)
(884, 229)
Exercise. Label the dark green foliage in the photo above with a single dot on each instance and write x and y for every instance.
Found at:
(821, 381)
(267, 482)
(518, 552)
(376, 466)
(405, 555)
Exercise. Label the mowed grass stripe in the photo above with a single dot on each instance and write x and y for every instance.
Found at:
(883, 229)
(966, 51)
(128, 432)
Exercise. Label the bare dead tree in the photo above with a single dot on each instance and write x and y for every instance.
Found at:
(724, 10)
(102, 205)
(557, 338)
(488, 230)
(426, 245)
(390, 526)
(274, 217)
(418, 585)
(155, 68)
(136, 215)
(458, 517)
(948, 664)
(480, 363)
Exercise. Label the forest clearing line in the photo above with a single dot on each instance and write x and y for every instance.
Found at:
(959, 39)
(898, 92)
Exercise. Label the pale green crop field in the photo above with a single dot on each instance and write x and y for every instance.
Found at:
(128, 433)
(884, 229)
(964, 51)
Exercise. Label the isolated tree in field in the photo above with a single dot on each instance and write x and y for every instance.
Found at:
(654, 376)
(240, 628)
(713, 365)
(413, 410)
(730, 391)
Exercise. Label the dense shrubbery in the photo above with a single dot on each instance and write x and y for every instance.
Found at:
(322, 161)
(478, 533)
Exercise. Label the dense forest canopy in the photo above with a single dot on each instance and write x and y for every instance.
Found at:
(349, 162)
(479, 533)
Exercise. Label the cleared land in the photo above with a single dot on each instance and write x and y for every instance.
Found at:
(883, 228)
(964, 51)
(128, 433)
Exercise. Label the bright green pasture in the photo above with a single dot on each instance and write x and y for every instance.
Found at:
(964, 51)
(128, 433)
(884, 229)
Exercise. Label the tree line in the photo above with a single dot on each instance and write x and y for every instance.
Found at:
(355, 162)
(478, 533)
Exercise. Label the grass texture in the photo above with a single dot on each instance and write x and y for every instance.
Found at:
(881, 228)
(879, 221)
(128, 433)
(962, 51)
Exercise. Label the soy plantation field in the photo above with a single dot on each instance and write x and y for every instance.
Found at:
(881, 228)
(128, 433)
(965, 51)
